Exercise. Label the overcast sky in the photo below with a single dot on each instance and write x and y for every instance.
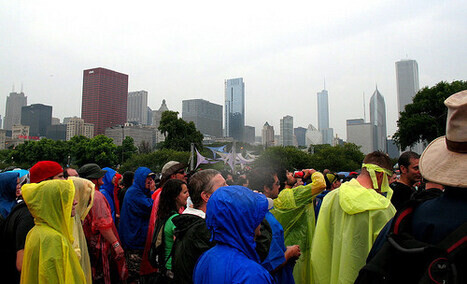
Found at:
(284, 50)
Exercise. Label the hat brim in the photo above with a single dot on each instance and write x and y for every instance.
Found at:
(98, 175)
(439, 165)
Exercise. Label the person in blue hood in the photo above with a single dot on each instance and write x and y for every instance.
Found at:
(107, 189)
(8, 183)
(134, 218)
(233, 216)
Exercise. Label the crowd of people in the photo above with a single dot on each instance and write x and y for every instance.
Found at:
(267, 225)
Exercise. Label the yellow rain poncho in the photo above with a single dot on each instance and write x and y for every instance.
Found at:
(84, 196)
(349, 221)
(293, 208)
(49, 256)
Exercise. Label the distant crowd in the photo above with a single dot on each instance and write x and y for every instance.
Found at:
(380, 224)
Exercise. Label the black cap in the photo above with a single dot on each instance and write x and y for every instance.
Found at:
(91, 171)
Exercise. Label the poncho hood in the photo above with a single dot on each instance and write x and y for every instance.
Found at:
(50, 203)
(8, 183)
(108, 186)
(232, 215)
(140, 179)
(353, 198)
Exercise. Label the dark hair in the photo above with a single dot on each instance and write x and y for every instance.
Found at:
(200, 182)
(261, 177)
(404, 159)
(127, 179)
(167, 203)
(378, 158)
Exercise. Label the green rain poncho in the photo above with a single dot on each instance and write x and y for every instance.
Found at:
(349, 221)
(49, 256)
(293, 208)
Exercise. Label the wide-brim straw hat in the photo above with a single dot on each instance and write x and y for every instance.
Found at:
(444, 161)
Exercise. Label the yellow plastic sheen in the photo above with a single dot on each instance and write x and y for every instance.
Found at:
(49, 256)
(293, 208)
(85, 197)
(349, 222)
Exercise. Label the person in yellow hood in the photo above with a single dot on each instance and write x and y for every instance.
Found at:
(84, 196)
(293, 208)
(49, 256)
(349, 221)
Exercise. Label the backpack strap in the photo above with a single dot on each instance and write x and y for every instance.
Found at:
(455, 241)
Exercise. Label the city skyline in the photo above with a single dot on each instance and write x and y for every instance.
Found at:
(282, 51)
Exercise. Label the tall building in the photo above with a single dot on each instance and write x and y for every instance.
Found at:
(2, 139)
(360, 133)
(287, 131)
(56, 132)
(156, 121)
(104, 101)
(267, 135)
(38, 117)
(206, 116)
(378, 120)
(140, 134)
(14, 103)
(407, 82)
(249, 134)
(323, 117)
(300, 134)
(234, 108)
(313, 136)
(76, 126)
(137, 107)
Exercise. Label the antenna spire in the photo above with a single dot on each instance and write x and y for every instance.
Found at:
(364, 109)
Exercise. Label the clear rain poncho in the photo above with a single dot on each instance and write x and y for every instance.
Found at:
(49, 256)
(349, 221)
(293, 208)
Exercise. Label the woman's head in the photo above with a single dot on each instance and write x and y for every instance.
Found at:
(173, 196)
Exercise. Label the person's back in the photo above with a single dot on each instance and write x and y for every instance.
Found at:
(49, 256)
(233, 214)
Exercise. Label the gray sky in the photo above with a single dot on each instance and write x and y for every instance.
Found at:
(180, 50)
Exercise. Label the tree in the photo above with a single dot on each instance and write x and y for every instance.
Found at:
(155, 160)
(100, 150)
(30, 152)
(425, 118)
(280, 157)
(126, 150)
(338, 158)
(179, 133)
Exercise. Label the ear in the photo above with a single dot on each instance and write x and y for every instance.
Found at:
(205, 196)
(403, 169)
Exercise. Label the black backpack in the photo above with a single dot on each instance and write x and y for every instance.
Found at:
(403, 259)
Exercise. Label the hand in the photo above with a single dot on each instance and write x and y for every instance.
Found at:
(119, 253)
(292, 252)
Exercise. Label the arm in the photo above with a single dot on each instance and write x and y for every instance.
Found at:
(291, 254)
(110, 237)
(19, 259)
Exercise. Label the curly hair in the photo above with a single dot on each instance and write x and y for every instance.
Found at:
(167, 202)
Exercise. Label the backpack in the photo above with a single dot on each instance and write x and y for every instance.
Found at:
(403, 259)
(156, 253)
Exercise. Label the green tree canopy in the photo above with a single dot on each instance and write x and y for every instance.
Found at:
(179, 133)
(425, 118)
(155, 160)
(280, 157)
(126, 150)
(338, 158)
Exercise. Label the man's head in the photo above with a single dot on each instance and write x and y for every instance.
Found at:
(265, 181)
(408, 165)
(380, 160)
(93, 173)
(202, 185)
(334, 181)
(150, 183)
(173, 170)
(70, 172)
(45, 170)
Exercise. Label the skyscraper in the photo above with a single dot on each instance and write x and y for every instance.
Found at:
(287, 131)
(234, 108)
(207, 116)
(378, 120)
(267, 135)
(300, 134)
(137, 107)
(76, 126)
(14, 103)
(407, 82)
(104, 102)
(360, 133)
(323, 117)
(38, 117)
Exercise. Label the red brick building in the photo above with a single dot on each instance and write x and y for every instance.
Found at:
(105, 94)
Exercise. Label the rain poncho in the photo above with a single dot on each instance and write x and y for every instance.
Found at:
(136, 211)
(8, 181)
(107, 189)
(49, 256)
(232, 214)
(293, 208)
(350, 220)
(85, 197)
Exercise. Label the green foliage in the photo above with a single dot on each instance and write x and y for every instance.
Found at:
(280, 157)
(338, 158)
(155, 160)
(179, 133)
(30, 152)
(425, 118)
(126, 150)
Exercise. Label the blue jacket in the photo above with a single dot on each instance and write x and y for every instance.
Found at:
(8, 183)
(135, 212)
(276, 253)
(107, 189)
(232, 214)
